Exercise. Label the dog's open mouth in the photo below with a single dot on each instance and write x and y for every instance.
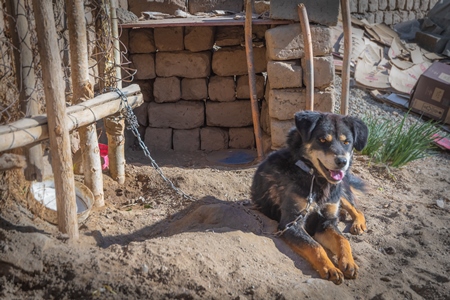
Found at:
(333, 175)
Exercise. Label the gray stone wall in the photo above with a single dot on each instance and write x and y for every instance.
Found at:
(391, 12)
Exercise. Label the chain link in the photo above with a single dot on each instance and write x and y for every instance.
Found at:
(133, 125)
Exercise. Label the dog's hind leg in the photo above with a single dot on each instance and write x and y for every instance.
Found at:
(303, 244)
(333, 240)
(359, 221)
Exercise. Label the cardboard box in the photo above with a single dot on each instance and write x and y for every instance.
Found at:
(431, 94)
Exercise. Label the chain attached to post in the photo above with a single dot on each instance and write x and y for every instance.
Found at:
(132, 124)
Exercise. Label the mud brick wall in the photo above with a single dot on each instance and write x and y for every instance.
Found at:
(195, 84)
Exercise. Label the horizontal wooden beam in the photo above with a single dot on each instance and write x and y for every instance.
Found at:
(30, 130)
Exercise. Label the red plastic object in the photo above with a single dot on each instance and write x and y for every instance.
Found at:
(104, 156)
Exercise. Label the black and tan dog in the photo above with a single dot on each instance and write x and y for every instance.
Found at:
(303, 186)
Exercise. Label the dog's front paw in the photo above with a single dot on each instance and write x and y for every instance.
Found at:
(349, 268)
(359, 225)
(332, 274)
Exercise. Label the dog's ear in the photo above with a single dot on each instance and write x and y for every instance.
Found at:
(306, 121)
(359, 130)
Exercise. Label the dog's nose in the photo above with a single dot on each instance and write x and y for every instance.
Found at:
(340, 161)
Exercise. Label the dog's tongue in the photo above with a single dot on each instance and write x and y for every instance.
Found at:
(337, 174)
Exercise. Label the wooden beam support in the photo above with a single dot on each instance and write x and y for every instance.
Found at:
(252, 78)
(346, 23)
(56, 110)
(35, 129)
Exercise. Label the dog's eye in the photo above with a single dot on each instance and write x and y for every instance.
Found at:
(322, 140)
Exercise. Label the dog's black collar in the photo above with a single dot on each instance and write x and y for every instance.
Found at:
(299, 163)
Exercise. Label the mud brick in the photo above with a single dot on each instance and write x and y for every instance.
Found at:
(286, 42)
(241, 138)
(382, 4)
(243, 88)
(183, 64)
(222, 88)
(142, 41)
(145, 65)
(278, 132)
(323, 71)
(229, 114)
(198, 39)
(164, 6)
(146, 89)
(158, 138)
(401, 4)
(186, 140)
(324, 12)
(284, 74)
(141, 113)
(167, 89)
(178, 115)
(363, 6)
(229, 36)
(194, 89)
(264, 118)
(233, 61)
(213, 138)
(169, 38)
(373, 5)
(196, 6)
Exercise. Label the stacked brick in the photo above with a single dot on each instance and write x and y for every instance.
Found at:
(391, 12)
(285, 89)
(195, 86)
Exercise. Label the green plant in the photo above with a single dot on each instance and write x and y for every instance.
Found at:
(391, 143)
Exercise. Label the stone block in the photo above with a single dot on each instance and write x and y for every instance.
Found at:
(259, 31)
(284, 74)
(241, 138)
(183, 64)
(230, 36)
(233, 61)
(169, 38)
(196, 6)
(370, 17)
(388, 17)
(243, 88)
(124, 40)
(222, 88)
(424, 5)
(186, 140)
(213, 138)
(286, 42)
(164, 6)
(146, 89)
(396, 17)
(401, 4)
(373, 5)
(279, 132)
(178, 115)
(167, 89)
(194, 89)
(363, 6)
(382, 4)
(144, 65)
(353, 6)
(141, 113)
(266, 143)
(261, 7)
(379, 17)
(323, 71)
(229, 114)
(392, 5)
(416, 5)
(199, 38)
(158, 138)
(431, 42)
(142, 41)
(409, 4)
(284, 103)
(323, 12)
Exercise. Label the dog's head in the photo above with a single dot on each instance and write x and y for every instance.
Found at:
(327, 141)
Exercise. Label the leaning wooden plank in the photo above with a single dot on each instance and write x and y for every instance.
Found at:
(54, 86)
(30, 130)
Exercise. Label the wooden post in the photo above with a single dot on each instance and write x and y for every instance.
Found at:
(26, 80)
(346, 22)
(252, 78)
(56, 110)
(82, 91)
(115, 125)
(309, 59)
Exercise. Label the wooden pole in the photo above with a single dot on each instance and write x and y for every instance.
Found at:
(115, 125)
(252, 78)
(346, 22)
(26, 80)
(309, 59)
(82, 91)
(56, 110)
(29, 130)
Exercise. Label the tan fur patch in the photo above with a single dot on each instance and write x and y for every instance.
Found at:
(342, 138)
(329, 138)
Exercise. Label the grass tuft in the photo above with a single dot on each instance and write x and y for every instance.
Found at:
(393, 144)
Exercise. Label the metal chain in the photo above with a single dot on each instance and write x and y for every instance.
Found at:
(133, 125)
